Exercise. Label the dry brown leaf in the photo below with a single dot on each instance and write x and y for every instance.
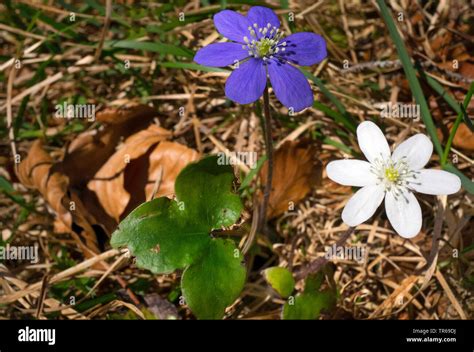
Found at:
(466, 69)
(35, 172)
(90, 150)
(295, 171)
(128, 177)
(91, 213)
(464, 138)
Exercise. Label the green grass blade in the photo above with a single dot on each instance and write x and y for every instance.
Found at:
(191, 66)
(438, 88)
(454, 129)
(418, 92)
(467, 184)
(411, 76)
(250, 176)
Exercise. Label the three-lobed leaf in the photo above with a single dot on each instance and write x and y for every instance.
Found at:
(166, 235)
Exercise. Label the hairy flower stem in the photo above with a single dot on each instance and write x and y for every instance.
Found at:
(318, 263)
(269, 151)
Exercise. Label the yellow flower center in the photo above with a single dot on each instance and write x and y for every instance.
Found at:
(264, 46)
(264, 42)
(392, 174)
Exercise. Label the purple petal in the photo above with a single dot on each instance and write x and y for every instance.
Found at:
(221, 54)
(304, 48)
(262, 16)
(246, 83)
(232, 25)
(290, 85)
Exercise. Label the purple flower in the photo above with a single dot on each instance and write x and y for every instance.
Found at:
(259, 49)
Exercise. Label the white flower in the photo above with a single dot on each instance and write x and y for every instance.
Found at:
(393, 176)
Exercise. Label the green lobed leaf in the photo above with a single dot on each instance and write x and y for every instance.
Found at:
(161, 236)
(281, 280)
(215, 281)
(166, 235)
(309, 304)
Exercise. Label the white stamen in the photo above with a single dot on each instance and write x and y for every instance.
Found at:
(266, 44)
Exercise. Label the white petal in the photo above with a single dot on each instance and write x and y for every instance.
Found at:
(436, 182)
(417, 150)
(404, 213)
(362, 205)
(372, 141)
(351, 173)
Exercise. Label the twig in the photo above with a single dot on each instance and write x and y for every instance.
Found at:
(396, 64)
(430, 265)
(42, 296)
(157, 184)
(450, 294)
(253, 231)
(10, 128)
(105, 29)
(318, 263)
(309, 9)
(59, 11)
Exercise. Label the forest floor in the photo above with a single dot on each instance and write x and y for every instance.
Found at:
(64, 185)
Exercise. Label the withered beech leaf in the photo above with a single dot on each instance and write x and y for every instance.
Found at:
(296, 171)
(128, 177)
(35, 172)
(91, 149)
(463, 139)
